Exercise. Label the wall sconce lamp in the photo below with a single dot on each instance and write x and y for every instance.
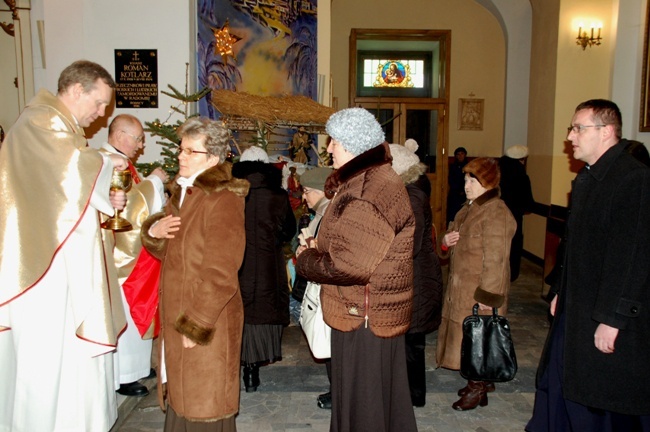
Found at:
(587, 41)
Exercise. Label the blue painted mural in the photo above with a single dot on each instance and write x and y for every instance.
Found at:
(262, 47)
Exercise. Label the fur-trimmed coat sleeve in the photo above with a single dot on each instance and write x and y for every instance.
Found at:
(155, 246)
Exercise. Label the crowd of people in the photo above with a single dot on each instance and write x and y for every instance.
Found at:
(204, 270)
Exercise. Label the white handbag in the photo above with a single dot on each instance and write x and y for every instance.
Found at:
(311, 320)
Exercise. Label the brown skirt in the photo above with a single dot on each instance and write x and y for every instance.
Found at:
(176, 423)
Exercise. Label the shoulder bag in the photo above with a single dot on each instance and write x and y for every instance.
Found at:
(487, 352)
(311, 320)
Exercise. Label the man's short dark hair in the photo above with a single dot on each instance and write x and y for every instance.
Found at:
(604, 112)
(85, 73)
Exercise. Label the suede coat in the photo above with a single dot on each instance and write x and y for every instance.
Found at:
(364, 258)
(199, 295)
(606, 279)
(479, 270)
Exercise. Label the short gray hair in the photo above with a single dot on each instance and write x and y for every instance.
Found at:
(215, 132)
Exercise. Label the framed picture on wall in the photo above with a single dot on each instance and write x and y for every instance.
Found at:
(470, 114)
(644, 122)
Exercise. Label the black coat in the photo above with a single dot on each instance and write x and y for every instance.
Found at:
(427, 276)
(456, 195)
(606, 279)
(269, 223)
(515, 187)
(516, 192)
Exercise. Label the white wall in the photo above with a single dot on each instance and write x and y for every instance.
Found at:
(516, 21)
(93, 29)
(628, 64)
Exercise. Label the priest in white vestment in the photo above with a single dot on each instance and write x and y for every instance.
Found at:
(146, 197)
(60, 307)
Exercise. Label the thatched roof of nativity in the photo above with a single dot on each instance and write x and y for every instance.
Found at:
(243, 111)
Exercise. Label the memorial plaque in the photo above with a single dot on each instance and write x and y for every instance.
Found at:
(136, 76)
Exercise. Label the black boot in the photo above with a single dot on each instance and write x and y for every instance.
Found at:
(251, 377)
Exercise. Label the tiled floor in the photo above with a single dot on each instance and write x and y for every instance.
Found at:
(286, 399)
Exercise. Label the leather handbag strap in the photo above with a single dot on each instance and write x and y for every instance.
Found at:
(495, 311)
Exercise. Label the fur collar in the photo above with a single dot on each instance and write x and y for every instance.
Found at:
(412, 174)
(372, 158)
(216, 179)
(487, 195)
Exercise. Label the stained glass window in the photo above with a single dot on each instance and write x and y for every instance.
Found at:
(393, 73)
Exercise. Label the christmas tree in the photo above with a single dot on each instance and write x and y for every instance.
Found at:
(167, 130)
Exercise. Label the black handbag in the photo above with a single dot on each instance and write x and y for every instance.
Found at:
(487, 352)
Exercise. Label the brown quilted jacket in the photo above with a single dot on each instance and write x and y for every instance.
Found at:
(364, 258)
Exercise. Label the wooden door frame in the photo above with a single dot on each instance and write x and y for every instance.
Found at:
(19, 28)
(439, 181)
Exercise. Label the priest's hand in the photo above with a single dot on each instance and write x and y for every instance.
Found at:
(119, 162)
(161, 174)
(117, 199)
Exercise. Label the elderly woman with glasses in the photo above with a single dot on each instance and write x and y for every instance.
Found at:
(200, 239)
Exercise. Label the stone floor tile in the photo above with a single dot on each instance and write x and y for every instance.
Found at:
(286, 398)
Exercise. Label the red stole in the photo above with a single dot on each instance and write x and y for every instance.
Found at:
(141, 287)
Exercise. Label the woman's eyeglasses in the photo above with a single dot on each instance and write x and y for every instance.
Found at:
(188, 151)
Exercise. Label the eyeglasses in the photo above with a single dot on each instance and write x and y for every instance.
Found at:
(188, 151)
(580, 128)
(138, 139)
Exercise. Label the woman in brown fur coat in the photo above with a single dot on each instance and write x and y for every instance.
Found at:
(478, 241)
(200, 239)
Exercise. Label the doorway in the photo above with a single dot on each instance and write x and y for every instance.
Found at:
(16, 71)
(425, 123)
(414, 113)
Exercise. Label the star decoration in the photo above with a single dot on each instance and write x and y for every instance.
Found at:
(224, 42)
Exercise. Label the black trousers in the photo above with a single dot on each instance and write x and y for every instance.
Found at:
(415, 345)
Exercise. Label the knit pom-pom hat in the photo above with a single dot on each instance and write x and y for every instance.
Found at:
(486, 171)
(356, 129)
(404, 156)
